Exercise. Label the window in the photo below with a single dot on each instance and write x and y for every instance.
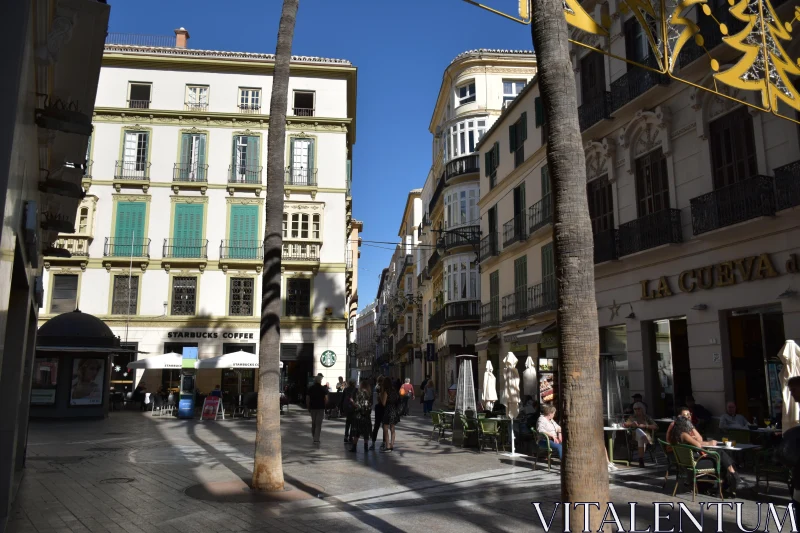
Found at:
(637, 45)
(197, 97)
(465, 93)
(83, 220)
(601, 204)
(494, 294)
(652, 186)
(541, 117)
(461, 278)
(517, 135)
(733, 148)
(125, 296)
(409, 284)
(129, 230)
(303, 104)
(246, 163)
(464, 136)
(64, 298)
(511, 88)
(593, 78)
(134, 155)
(301, 166)
(184, 295)
(139, 95)
(298, 297)
(492, 161)
(249, 100)
(521, 282)
(187, 234)
(519, 200)
(301, 226)
(549, 272)
(243, 240)
(193, 158)
(461, 207)
(241, 297)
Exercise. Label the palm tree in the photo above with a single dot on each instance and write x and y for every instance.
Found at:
(584, 477)
(268, 467)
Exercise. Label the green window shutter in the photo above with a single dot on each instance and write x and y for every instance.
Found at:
(129, 231)
(539, 110)
(548, 262)
(311, 162)
(545, 181)
(244, 231)
(186, 148)
(291, 153)
(234, 152)
(494, 285)
(201, 157)
(512, 138)
(188, 230)
(487, 157)
(521, 272)
(253, 153)
(522, 196)
(523, 122)
(496, 162)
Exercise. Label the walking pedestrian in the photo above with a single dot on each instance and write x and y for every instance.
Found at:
(378, 412)
(390, 398)
(362, 413)
(429, 395)
(316, 400)
(348, 407)
(407, 393)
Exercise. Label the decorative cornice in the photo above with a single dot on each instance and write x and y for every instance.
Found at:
(175, 199)
(480, 52)
(238, 200)
(131, 197)
(219, 54)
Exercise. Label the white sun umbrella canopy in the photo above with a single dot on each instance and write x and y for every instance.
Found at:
(240, 359)
(170, 360)
(790, 357)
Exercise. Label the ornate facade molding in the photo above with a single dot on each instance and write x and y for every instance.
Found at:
(684, 130)
(238, 200)
(175, 199)
(601, 159)
(59, 35)
(646, 131)
(131, 197)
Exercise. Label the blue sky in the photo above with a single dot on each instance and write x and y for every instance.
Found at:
(401, 49)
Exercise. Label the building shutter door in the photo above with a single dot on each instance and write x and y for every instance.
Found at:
(129, 231)
(243, 231)
(188, 230)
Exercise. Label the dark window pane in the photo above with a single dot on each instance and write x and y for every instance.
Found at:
(184, 295)
(65, 293)
(125, 297)
(733, 149)
(601, 204)
(652, 184)
(241, 298)
(298, 297)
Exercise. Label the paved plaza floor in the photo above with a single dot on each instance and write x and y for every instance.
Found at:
(134, 473)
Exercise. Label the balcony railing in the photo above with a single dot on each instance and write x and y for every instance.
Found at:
(190, 173)
(426, 220)
(635, 83)
(542, 297)
(303, 111)
(235, 249)
(787, 185)
(690, 52)
(309, 253)
(467, 310)
(249, 109)
(244, 174)
(605, 246)
(514, 230)
(744, 200)
(136, 39)
(196, 106)
(515, 305)
(710, 25)
(436, 193)
(468, 164)
(139, 104)
(650, 231)
(77, 246)
(489, 246)
(132, 170)
(185, 248)
(460, 236)
(404, 342)
(301, 176)
(594, 109)
(540, 214)
(432, 260)
(114, 247)
(490, 314)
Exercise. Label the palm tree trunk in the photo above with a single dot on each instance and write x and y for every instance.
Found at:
(584, 476)
(268, 467)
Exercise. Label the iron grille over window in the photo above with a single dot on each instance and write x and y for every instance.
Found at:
(184, 295)
(125, 295)
(241, 297)
(65, 293)
(298, 297)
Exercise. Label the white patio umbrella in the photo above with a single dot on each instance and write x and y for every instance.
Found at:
(530, 385)
(489, 395)
(235, 360)
(170, 360)
(790, 357)
(511, 393)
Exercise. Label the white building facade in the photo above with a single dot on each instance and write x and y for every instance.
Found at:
(168, 243)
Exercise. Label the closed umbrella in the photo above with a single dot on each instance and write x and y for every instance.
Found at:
(489, 387)
(529, 384)
(790, 357)
(511, 389)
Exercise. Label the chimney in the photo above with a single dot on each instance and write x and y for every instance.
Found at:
(181, 37)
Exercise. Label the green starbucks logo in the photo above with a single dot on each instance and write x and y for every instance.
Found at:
(328, 359)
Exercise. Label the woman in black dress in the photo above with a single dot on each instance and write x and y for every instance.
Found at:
(362, 415)
(390, 399)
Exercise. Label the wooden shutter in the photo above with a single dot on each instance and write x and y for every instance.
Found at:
(311, 162)
(521, 273)
(539, 111)
(548, 262)
(186, 149)
(234, 154)
(512, 138)
(188, 229)
(496, 157)
(244, 231)
(487, 157)
(253, 153)
(522, 134)
(601, 204)
(733, 148)
(65, 293)
(546, 185)
(129, 230)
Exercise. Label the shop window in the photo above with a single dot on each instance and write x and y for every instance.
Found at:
(614, 371)
(45, 381)
(65, 293)
(121, 377)
(241, 296)
(669, 377)
(184, 295)
(298, 297)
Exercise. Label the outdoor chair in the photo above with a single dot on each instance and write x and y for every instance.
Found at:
(666, 448)
(470, 427)
(687, 465)
(490, 431)
(541, 445)
(633, 446)
(157, 404)
(440, 424)
(767, 467)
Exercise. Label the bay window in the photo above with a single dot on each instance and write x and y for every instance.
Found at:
(461, 278)
(463, 136)
(461, 207)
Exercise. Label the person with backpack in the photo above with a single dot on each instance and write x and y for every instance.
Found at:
(407, 394)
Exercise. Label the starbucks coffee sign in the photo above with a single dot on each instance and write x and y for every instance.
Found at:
(328, 358)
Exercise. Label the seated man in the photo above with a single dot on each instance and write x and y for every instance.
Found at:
(700, 415)
(732, 420)
(549, 429)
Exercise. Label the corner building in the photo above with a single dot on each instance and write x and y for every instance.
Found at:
(168, 243)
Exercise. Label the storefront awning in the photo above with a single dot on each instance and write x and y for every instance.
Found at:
(170, 360)
(482, 345)
(512, 337)
(532, 334)
(240, 359)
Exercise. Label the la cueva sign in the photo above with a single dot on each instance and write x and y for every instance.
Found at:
(724, 274)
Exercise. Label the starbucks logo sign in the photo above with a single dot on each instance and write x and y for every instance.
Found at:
(328, 359)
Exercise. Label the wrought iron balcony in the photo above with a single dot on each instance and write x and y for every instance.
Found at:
(132, 170)
(196, 106)
(747, 199)
(114, 247)
(594, 109)
(455, 312)
(635, 83)
(514, 230)
(426, 220)
(190, 173)
(468, 164)
(235, 249)
(489, 246)
(605, 246)
(432, 260)
(436, 194)
(244, 174)
(540, 214)
(650, 231)
(139, 104)
(460, 236)
(404, 342)
(249, 109)
(787, 185)
(542, 297)
(490, 314)
(185, 248)
(515, 305)
(303, 111)
(301, 176)
(689, 53)
(710, 25)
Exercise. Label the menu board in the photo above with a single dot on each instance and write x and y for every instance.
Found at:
(547, 387)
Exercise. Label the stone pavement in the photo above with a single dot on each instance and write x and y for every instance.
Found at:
(130, 473)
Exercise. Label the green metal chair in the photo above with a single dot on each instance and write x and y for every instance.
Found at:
(687, 464)
(541, 445)
(469, 427)
(671, 465)
(767, 467)
(440, 424)
(481, 415)
(489, 431)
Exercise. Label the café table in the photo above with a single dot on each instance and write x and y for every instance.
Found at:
(611, 434)
(740, 447)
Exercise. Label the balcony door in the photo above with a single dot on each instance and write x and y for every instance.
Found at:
(193, 157)
(733, 148)
(548, 273)
(494, 294)
(593, 78)
(246, 158)
(302, 154)
(134, 154)
(652, 184)
(188, 230)
(601, 204)
(129, 230)
(243, 242)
